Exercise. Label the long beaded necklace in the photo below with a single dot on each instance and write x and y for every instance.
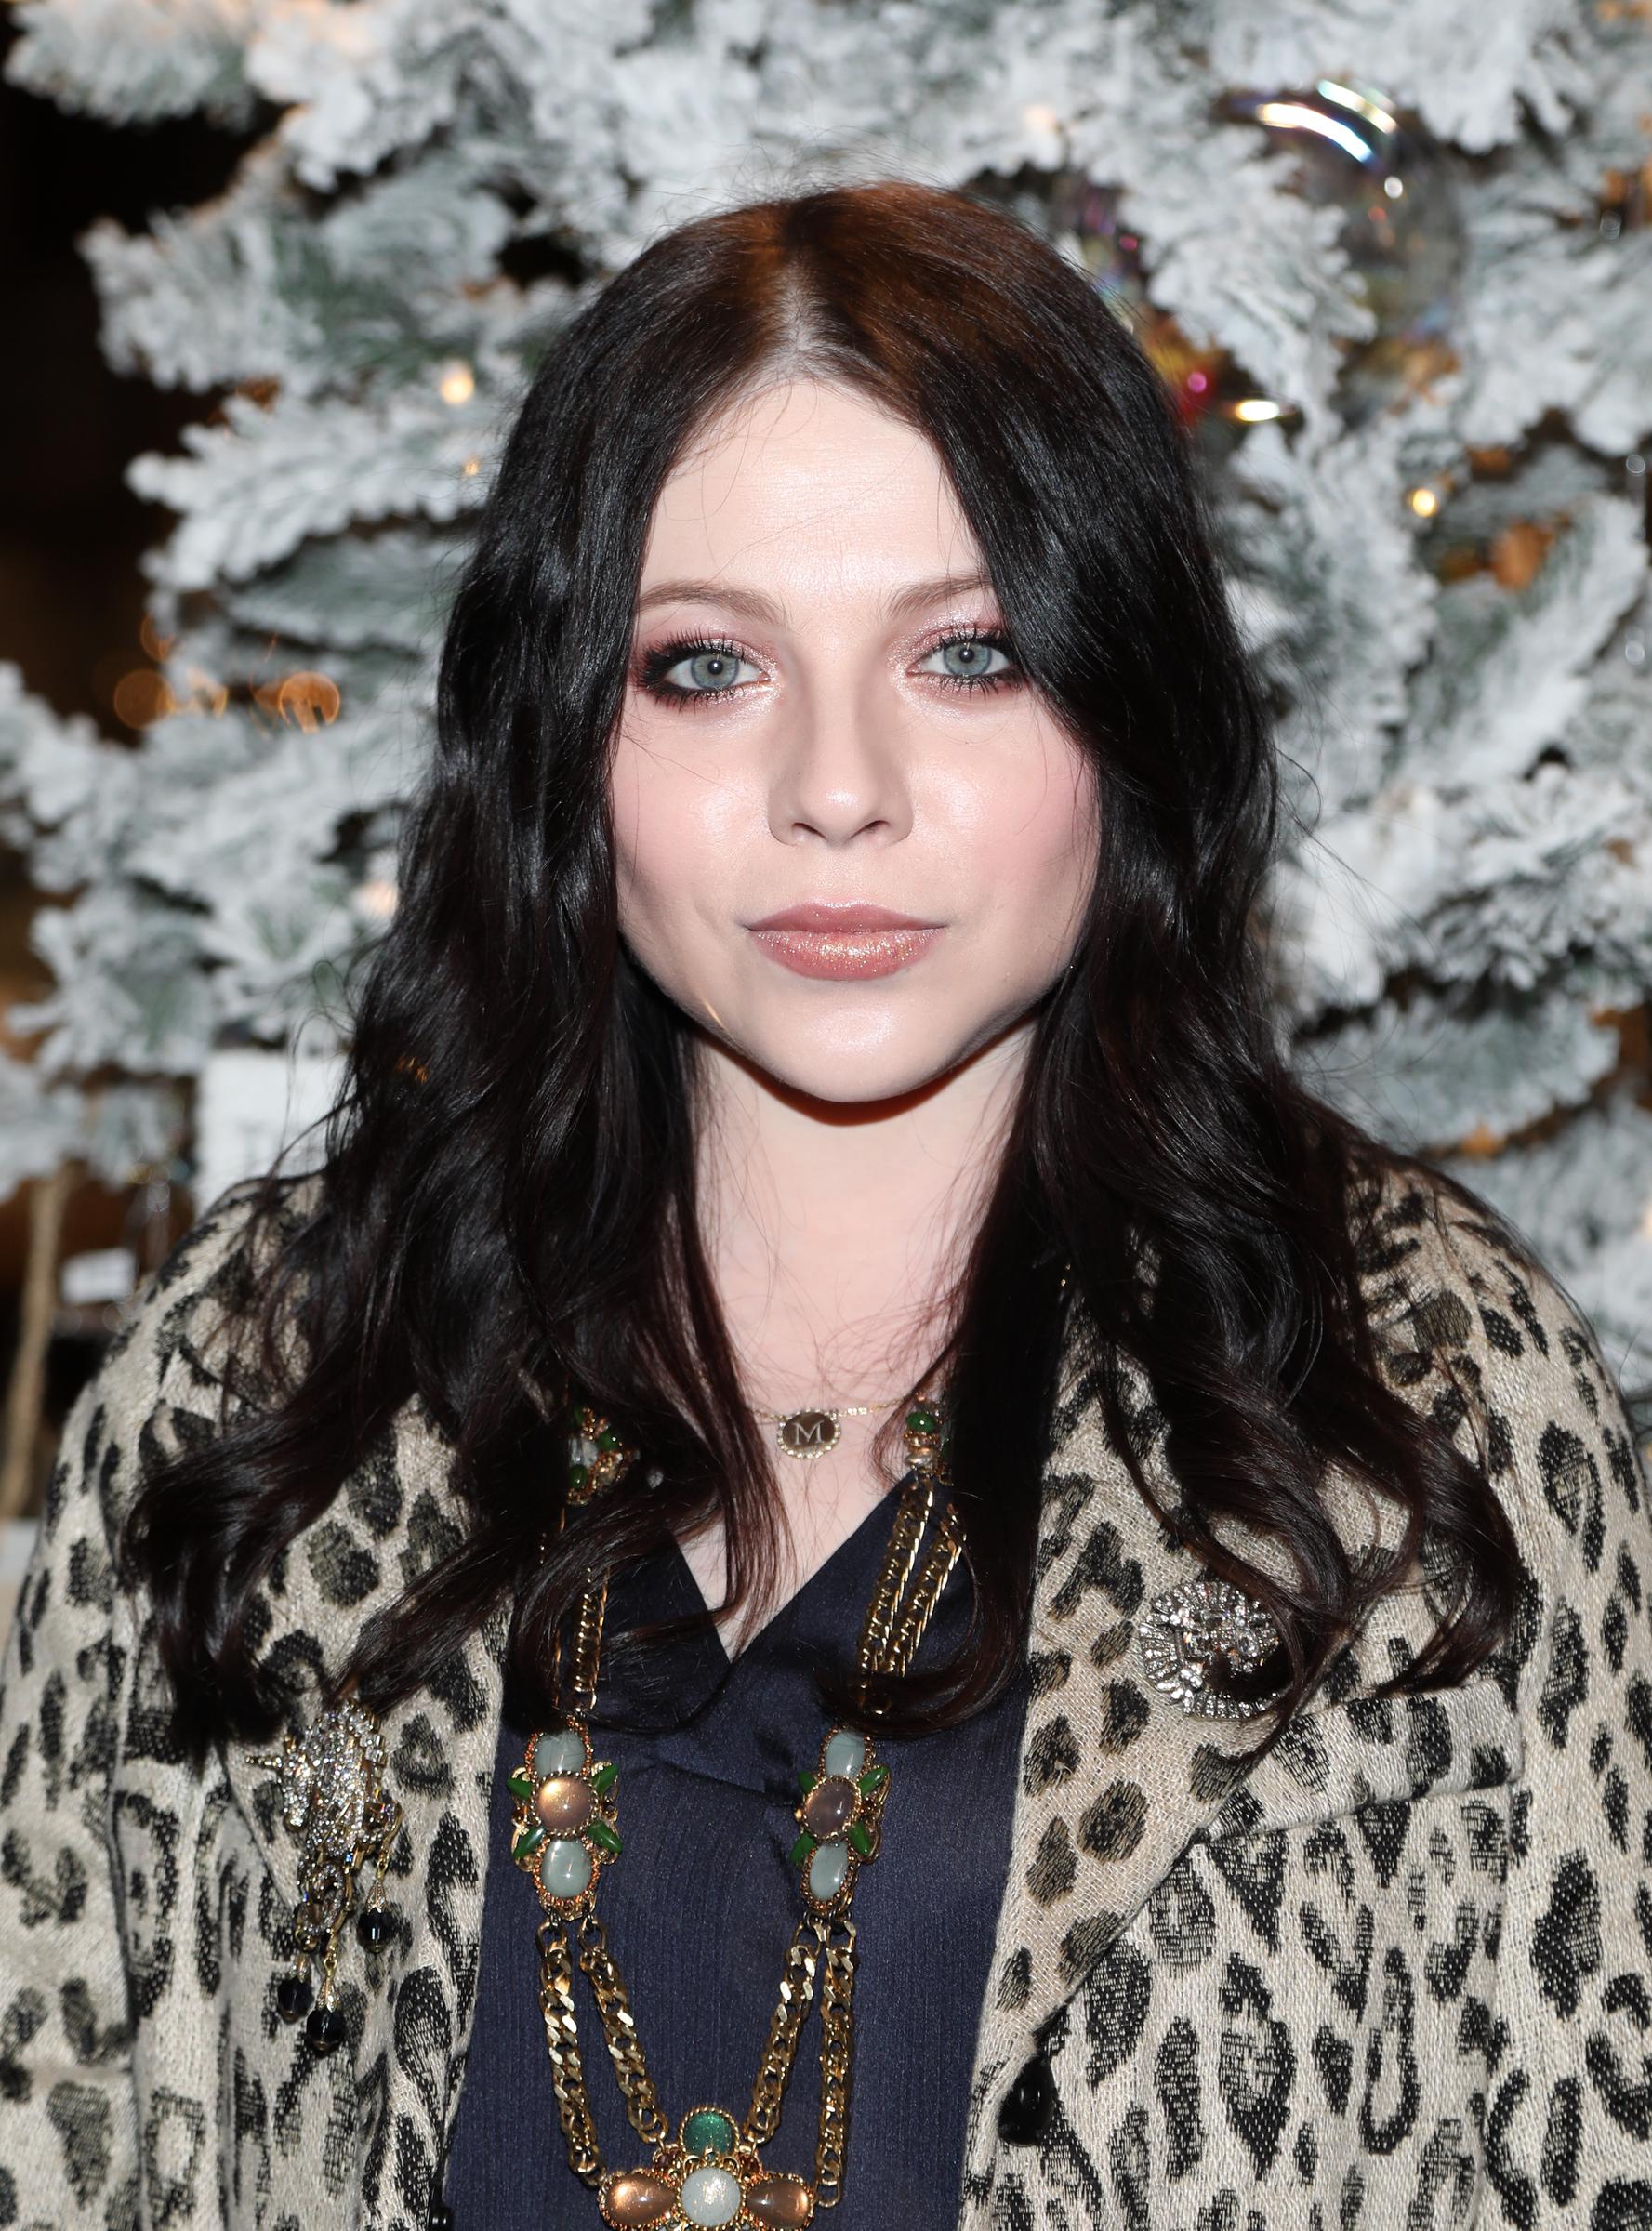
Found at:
(708, 2171)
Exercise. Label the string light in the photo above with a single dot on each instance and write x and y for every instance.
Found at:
(376, 897)
(143, 697)
(1425, 502)
(1255, 409)
(205, 694)
(455, 383)
(306, 699)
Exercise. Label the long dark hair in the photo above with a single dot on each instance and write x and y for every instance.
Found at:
(507, 1203)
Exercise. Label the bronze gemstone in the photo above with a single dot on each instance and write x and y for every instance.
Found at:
(640, 2196)
(565, 1804)
(829, 1807)
(784, 2200)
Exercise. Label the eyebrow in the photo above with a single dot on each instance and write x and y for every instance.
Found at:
(915, 597)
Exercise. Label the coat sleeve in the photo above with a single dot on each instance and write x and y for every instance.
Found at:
(1567, 2045)
(70, 2147)
(68, 2142)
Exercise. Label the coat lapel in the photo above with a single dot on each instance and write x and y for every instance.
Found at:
(1116, 1776)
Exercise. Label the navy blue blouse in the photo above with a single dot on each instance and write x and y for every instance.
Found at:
(701, 1906)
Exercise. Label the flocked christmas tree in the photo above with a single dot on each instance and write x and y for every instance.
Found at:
(1395, 263)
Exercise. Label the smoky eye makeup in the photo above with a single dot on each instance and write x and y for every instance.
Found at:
(721, 659)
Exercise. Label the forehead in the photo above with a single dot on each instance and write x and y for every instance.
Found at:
(805, 489)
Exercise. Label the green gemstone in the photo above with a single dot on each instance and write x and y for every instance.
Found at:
(577, 1476)
(604, 1778)
(806, 1780)
(519, 1784)
(528, 1842)
(861, 1837)
(923, 1420)
(802, 1849)
(708, 2131)
(605, 1838)
(607, 1438)
(873, 1778)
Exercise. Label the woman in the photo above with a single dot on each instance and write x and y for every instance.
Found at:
(1123, 1644)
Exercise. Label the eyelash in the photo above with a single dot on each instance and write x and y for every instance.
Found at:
(658, 662)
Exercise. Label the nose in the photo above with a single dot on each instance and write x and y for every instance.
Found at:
(839, 773)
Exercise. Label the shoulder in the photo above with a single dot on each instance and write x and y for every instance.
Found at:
(1475, 1328)
(171, 1366)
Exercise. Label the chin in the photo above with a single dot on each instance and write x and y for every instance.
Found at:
(859, 1085)
(909, 1058)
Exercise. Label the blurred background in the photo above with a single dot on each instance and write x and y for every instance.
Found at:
(278, 274)
(71, 623)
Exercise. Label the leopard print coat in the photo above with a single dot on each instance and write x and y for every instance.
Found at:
(1398, 1974)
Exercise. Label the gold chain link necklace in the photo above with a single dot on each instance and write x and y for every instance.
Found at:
(709, 2172)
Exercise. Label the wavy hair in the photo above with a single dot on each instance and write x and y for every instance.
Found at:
(507, 1206)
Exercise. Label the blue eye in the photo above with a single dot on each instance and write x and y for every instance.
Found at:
(711, 668)
(970, 655)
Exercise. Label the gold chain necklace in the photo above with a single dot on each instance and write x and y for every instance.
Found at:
(709, 2172)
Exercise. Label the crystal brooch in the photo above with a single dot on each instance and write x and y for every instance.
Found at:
(334, 1801)
(1214, 1650)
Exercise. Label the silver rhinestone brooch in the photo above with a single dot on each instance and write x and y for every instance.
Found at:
(1214, 1649)
(334, 1801)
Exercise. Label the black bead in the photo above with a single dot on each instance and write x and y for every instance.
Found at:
(326, 2028)
(375, 1925)
(439, 2217)
(295, 1995)
(1025, 2110)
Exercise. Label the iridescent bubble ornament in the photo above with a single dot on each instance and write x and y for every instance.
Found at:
(1403, 232)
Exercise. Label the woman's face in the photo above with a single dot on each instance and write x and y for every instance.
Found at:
(852, 843)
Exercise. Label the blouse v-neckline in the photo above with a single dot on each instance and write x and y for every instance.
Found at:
(825, 1572)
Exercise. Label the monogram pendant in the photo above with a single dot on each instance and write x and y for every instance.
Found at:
(808, 1434)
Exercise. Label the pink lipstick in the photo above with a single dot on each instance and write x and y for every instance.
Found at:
(843, 941)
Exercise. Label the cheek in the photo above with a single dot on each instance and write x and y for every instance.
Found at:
(1028, 833)
(672, 824)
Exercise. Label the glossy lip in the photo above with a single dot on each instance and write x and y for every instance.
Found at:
(843, 941)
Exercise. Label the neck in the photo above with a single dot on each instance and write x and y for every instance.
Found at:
(834, 1230)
